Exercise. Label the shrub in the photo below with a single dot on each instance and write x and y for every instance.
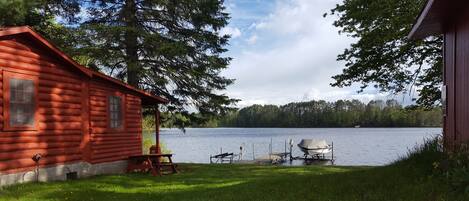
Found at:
(456, 168)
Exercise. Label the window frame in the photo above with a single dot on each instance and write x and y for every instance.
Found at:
(108, 112)
(7, 76)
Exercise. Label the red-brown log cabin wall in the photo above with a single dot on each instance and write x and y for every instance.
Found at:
(108, 144)
(457, 78)
(59, 121)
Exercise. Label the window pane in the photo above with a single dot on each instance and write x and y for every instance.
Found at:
(115, 112)
(21, 102)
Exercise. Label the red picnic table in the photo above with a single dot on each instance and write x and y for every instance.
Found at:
(150, 163)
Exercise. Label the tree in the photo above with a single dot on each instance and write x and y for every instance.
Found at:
(171, 48)
(383, 56)
(41, 16)
(342, 113)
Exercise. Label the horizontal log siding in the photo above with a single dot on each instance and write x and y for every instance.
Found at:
(1, 99)
(110, 145)
(59, 131)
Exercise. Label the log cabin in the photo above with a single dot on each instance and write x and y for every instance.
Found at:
(79, 121)
(450, 19)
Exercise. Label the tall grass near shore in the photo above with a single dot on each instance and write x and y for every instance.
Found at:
(450, 166)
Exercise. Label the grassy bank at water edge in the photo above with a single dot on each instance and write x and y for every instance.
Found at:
(409, 179)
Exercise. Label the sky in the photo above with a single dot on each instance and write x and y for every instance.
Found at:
(285, 51)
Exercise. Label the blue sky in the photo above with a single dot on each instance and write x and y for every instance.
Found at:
(285, 51)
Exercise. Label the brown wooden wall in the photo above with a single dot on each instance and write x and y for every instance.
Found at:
(59, 129)
(456, 78)
(72, 113)
(108, 144)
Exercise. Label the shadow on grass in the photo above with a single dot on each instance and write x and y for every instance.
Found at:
(244, 182)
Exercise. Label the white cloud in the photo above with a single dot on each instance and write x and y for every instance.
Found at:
(252, 40)
(232, 31)
(252, 26)
(295, 59)
(297, 17)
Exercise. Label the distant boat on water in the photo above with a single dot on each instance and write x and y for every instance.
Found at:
(357, 126)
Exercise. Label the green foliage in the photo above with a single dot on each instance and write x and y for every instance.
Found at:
(148, 142)
(450, 166)
(383, 56)
(41, 16)
(455, 168)
(424, 157)
(342, 113)
(171, 48)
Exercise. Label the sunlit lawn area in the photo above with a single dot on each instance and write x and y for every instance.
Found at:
(401, 181)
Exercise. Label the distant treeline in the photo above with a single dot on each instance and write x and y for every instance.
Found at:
(342, 113)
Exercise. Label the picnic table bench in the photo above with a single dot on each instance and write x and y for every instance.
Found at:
(150, 163)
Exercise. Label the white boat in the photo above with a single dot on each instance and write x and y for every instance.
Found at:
(314, 147)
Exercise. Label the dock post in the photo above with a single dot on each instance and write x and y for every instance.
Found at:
(291, 149)
(285, 150)
(270, 149)
(253, 155)
(240, 153)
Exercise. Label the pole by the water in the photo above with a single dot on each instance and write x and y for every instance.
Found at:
(285, 147)
(157, 130)
(253, 155)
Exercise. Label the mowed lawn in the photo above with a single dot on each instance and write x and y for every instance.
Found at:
(401, 181)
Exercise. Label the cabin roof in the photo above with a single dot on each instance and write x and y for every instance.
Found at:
(431, 20)
(147, 98)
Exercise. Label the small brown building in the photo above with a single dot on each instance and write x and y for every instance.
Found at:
(450, 18)
(80, 121)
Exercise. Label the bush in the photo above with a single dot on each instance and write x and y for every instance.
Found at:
(147, 143)
(456, 168)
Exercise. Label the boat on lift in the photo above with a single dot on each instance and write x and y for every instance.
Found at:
(314, 148)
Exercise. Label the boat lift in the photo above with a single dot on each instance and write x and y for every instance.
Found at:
(314, 151)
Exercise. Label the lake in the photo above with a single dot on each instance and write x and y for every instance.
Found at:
(352, 146)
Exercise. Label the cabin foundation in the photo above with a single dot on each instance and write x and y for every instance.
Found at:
(59, 172)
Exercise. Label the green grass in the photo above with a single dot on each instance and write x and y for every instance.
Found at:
(412, 178)
(245, 182)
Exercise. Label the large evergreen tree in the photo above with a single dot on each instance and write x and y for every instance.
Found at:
(172, 48)
(383, 56)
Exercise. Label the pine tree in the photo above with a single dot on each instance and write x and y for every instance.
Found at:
(171, 48)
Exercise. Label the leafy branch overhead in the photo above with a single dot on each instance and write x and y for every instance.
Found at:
(383, 57)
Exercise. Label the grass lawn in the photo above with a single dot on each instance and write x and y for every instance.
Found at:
(401, 181)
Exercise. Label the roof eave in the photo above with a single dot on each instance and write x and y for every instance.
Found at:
(156, 99)
(45, 42)
(430, 20)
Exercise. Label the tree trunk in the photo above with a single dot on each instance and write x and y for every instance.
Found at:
(131, 43)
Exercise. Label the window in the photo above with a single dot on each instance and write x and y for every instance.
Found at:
(20, 101)
(115, 112)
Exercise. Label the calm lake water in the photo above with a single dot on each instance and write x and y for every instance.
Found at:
(352, 146)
